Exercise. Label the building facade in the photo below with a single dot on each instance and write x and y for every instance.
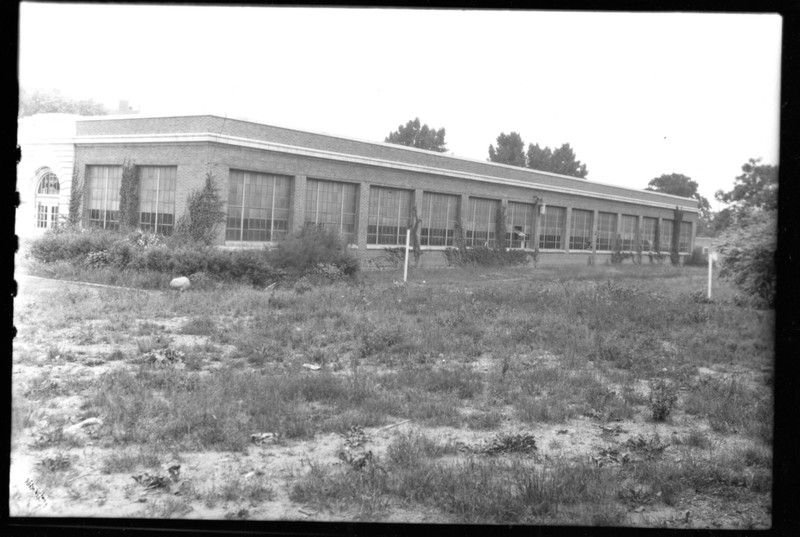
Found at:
(275, 180)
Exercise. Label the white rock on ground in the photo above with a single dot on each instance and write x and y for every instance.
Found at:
(181, 283)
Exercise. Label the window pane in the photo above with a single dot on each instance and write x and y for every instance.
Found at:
(629, 232)
(258, 206)
(102, 200)
(520, 217)
(649, 233)
(581, 230)
(552, 228)
(332, 205)
(157, 198)
(665, 242)
(389, 216)
(606, 230)
(481, 222)
(439, 216)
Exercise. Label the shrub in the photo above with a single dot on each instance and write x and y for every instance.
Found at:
(697, 259)
(69, 244)
(302, 252)
(748, 255)
(663, 396)
(485, 256)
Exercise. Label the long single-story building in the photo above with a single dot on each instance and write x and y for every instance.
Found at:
(277, 179)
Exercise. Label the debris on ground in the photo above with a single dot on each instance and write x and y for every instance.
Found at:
(614, 430)
(159, 481)
(650, 447)
(164, 356)
(85, 424)
(263, 438)
(312, 367)
(608, 456)
(355, 438)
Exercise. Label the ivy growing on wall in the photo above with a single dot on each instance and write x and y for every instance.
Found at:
(129, 196)
(500, 229)
(204, 214)
(676, 237)
(75, 198)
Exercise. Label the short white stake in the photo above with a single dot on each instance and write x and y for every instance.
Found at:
(408, 241)
(710, 262)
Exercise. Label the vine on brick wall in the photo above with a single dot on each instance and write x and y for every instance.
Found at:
(129, 196)
(655, 254)
(204, 214)
(415, 247)
(674, 254)
(500, 242)
(75, 198)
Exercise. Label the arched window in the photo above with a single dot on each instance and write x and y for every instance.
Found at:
(47, 200)
(48, 184)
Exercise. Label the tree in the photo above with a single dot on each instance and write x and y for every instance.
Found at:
(561, 161)
(678, 184)
(52, 101)
(564, 162)
(756, 188)
(422, 137)
(538, 158)
(748, 254)
(510, 150)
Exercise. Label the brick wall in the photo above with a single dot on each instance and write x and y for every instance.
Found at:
(194, 160)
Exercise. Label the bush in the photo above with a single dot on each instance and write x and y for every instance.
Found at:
(485, 256)
(697, 259)
(303, 252)
(748, 255)
(663, 396)
(70, 244)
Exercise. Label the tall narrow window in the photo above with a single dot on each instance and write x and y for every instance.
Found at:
(685, 237)
(519, 218)
(389, 215)
(481, 222)
(552, 228)
(629, 231)
(258, 207)
(439, 218)
(47, 198)
(102, 185)
(649, 233)
(332, 205)
(606, 230)
(580, 237)
(157, 198)
(665, 241)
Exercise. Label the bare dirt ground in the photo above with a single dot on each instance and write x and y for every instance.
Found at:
(86, 491)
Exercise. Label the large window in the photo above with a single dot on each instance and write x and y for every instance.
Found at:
(47, 199)
(389, 215)
(332, 205)
(629, 229)
(157, 198)
(258, 207)
(102, 204)
(580, 237)
(553, 221)
(439, 219)
(520, 219)
(649, 233)
(481, 221)
(665, 232)
(606, 231)
(48, 185)
(685, 238)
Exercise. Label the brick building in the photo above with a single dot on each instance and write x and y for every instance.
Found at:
(277, 179)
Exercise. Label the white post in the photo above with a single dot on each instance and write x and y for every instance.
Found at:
(408, 241)
(711, 257)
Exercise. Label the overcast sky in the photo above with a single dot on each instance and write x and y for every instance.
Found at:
(636, 95)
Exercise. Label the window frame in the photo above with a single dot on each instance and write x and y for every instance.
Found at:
(105, 222)
(491, 227)
(587, 239)
(561, 220)
(156, 227)
(629, 237)
(280, 185)
(376, 238)
(606, 235)
(350, 237)
(429, 200)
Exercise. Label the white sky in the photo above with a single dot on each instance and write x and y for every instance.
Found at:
(636, 95)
